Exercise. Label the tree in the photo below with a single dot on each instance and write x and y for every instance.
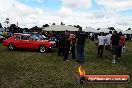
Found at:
(45, 25)
(7, 21)
(62, 23)
(53, 24)
(98, 28)
(129, 28)
(14, 28)
(0, 25)
(111, 28)
(78, 26)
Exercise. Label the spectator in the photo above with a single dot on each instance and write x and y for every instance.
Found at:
(108, 41)
(114, 42)
(101, 43)
(10, 33)
(1, 32)
(91, 36)
(73, 47)
(80, 40)
(121, 44)
(67, 46)
(61, 40)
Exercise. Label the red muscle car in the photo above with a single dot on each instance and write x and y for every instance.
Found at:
(27, 41)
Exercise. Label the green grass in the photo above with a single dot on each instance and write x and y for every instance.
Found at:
(29, 69)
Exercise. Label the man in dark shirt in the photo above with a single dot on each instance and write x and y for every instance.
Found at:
(60, 44)
(66, 45)
(80, 42)
(114, 42)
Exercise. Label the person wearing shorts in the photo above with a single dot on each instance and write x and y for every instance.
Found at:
(114, 42)
(108, 42)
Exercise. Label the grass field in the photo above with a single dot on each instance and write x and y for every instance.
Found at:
(30, 69)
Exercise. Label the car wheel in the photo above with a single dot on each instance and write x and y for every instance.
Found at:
(42, 49)
(11, 47)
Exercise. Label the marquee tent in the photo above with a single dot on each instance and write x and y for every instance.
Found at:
(60, 28)
(105, 30)
(119, 30)
(90, 29)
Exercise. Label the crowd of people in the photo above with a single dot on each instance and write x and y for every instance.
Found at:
(112, 43)
(73, 44)
(70, 43)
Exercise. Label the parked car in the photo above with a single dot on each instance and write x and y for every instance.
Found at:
(1, 38)
(42, 37)
(53, 40)
(27, 41)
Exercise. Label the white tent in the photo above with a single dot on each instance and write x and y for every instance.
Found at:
(119, 30)
(124, 32)
(105, 30)
(60, 28)
(90, 29)
(128, 32)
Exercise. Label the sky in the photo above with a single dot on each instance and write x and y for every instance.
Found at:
(86, 13)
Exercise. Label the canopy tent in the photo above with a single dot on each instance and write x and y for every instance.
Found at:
(127, 32)
(60, 28)
(105, 30)
(90, 29)
(124, 32)
(119, 30)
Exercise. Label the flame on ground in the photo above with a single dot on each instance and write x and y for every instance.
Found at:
(81, 71)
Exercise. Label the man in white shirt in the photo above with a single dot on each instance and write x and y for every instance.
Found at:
(101, 43)
(91, 35)
(108, 42)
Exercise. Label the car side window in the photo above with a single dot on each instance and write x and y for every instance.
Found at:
(18, 37)
(25, 37)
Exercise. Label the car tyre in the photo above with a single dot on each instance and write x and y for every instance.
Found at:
(42, 49)
(11, 47)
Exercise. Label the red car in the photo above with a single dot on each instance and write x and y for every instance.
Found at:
(27, 41)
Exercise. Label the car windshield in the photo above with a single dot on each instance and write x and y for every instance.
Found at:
(39, 37)
(35, 37)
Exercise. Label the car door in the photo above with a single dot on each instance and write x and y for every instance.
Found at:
(17, 41)
(25, 42)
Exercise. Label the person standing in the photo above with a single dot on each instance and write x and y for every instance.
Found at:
(80, 42)
(60, 44)
(66, 45)
(121, 44)
(91, 36)
(101, 43)
(73, 47)
(114, 42)
(108, 42)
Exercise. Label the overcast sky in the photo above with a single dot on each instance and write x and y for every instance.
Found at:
(94, 13)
